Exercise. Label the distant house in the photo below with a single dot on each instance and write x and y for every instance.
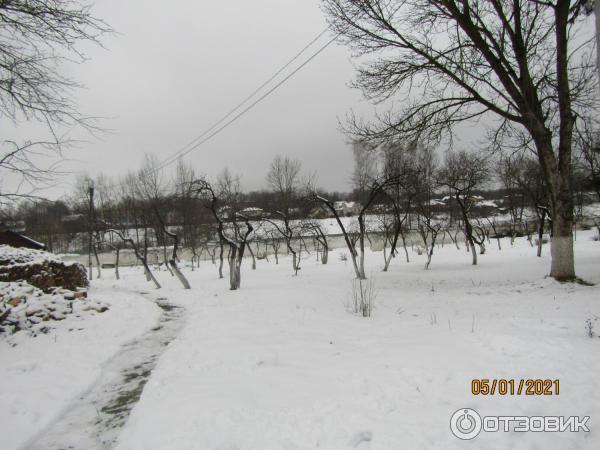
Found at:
(252, 212)
(14, 239)
(319, 212)
(347, 208)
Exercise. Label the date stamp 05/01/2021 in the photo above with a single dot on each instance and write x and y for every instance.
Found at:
(524, 386)
(467, 423)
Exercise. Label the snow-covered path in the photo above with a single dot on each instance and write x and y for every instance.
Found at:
(95, 418)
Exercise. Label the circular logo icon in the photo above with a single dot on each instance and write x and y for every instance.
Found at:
(465, 423)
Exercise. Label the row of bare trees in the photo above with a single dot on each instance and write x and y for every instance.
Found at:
(403, 186)
(523, 69)
(402, 192)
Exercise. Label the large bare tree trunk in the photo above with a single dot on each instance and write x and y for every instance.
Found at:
(563, 258)
(561, 247)
(560, 192)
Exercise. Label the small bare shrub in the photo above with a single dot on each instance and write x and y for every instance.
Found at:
(363, 296)
(589, 328)
(343, 257)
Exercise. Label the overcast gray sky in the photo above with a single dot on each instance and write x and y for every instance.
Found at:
(174, 68)
(177, 67)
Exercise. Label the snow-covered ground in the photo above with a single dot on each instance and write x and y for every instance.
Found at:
(284, 364)
(42, 376)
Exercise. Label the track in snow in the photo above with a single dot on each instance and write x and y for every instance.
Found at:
(95, 419)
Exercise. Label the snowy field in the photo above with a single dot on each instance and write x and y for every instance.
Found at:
(284, 364)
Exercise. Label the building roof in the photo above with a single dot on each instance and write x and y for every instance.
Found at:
(14, 239)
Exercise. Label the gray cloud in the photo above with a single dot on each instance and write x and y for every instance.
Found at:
(171, 72)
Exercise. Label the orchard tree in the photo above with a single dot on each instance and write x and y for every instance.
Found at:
(400, 163)
(463, 173)
(509, 173)
(152, 188)
(284, 178)
(232, 233)
(512, 65)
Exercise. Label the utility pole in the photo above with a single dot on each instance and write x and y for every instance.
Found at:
(90, 225)
(597, 14)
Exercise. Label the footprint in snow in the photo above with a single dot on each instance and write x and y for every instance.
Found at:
(360, 437)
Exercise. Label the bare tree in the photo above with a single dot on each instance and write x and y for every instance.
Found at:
(35, 37)
(533, 187)
(375, 189)
(152, 188)
(141, 257)
(320, 237)
(275, 243)
(494, 226)
(194, 226)
(511, 64)
(463, 173)
(424, 185)
(236, 239)
(400, 164)
(174, 258)
(315, 196)
(284, 178)
(509, 173)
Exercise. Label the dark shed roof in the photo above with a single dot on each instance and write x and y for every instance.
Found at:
(13, 239)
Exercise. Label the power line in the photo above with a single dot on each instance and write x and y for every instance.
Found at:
(176, 155)
(205, 136)
(252, 105)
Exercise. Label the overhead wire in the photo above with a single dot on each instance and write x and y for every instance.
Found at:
(208, 134)
(253, 104)
(245, 100)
